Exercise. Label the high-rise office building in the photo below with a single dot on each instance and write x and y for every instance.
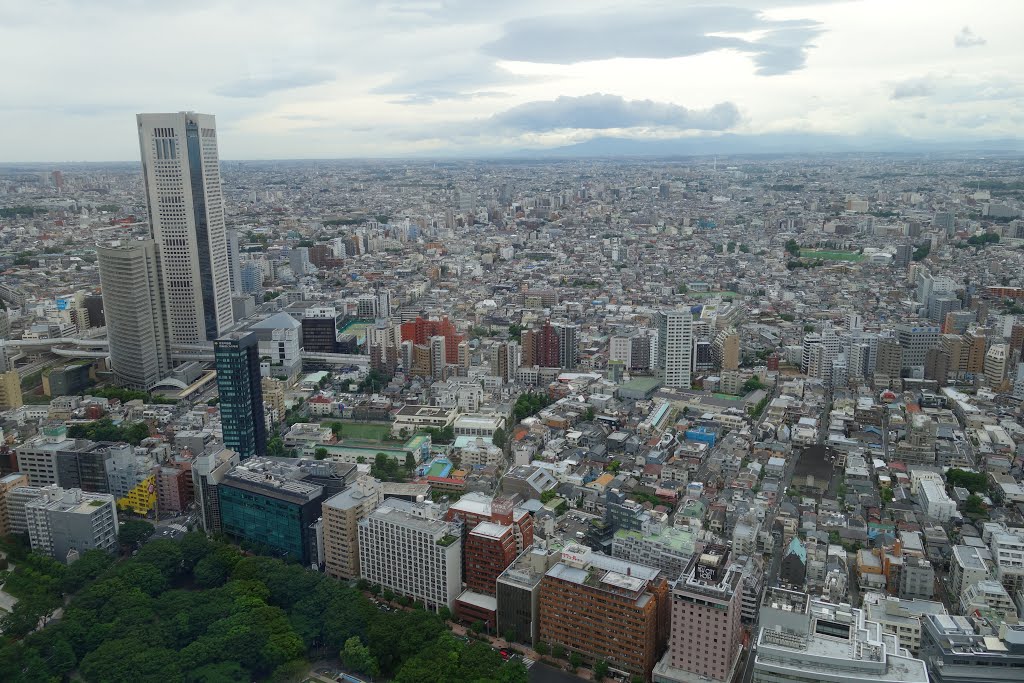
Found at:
(915, 340)
(133, 308)
(208, 472)
(241, 394)
(181, 170)
(234, 262)
(706, 632)
(271, 504)
(675, 347)
(384, 303)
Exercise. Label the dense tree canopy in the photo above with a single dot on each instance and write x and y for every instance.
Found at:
(105, 430)
(974, 482)
(199, 611)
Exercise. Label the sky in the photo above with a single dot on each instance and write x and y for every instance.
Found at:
(344, 79)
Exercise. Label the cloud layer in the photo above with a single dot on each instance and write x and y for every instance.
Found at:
(347, 79)
(602, 112)
(676, 31)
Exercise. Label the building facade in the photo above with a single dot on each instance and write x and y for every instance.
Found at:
(707, 607)
(64, 523)
(263, 503)
(604, 609)
(341, 516)
(675, 347)
(241, 394)
(181, 169)
(404, 547)
(134, 310)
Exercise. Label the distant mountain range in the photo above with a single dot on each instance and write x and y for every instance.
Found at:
(775, 143)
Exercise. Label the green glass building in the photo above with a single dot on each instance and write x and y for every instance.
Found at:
(262, 502)
(241, 394)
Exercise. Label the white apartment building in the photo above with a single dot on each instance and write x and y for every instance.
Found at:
(64, 523)
(181, 169)
(935, 502)
(675, 347)
(405, 547)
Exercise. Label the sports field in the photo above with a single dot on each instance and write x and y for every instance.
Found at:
(851, 256)
(367, 431)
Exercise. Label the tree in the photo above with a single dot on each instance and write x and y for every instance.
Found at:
(320, 453)
(357, 657)
(275, 447)
(600, 670)
(792, 247)
(499, 438)
(547, 496)
(477, 627)
(542, 648)
(575, 660)
(975, 482)
(558, 651)
(588, 414)
(134, 532)
(886, 494)
(410, 461)
(975, 505)
(752, 384)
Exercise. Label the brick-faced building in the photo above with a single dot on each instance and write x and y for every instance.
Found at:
(605, 609)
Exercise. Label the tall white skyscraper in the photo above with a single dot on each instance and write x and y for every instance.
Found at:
(186, 215)
(675, 347)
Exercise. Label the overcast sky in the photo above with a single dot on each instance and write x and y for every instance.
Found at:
(331, 79)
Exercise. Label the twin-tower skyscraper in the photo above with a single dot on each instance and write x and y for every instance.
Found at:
(175, 288)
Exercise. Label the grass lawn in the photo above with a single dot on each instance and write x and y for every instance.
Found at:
(832, 255)
(368, 431)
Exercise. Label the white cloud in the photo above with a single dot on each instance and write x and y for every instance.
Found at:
(967, 38)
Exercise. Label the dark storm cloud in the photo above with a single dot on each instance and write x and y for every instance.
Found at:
(259, 86)
(667, 33)
(600, 112)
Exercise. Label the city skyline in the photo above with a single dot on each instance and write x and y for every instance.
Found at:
(457, 79)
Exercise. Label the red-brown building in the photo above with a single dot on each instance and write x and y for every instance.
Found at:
(474, 508)
(420, 331)
(541, 347)
(174, 489)
(490, 548)
(605, 609)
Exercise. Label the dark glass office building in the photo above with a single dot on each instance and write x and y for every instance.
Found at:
(267, 503)
(241, 395)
